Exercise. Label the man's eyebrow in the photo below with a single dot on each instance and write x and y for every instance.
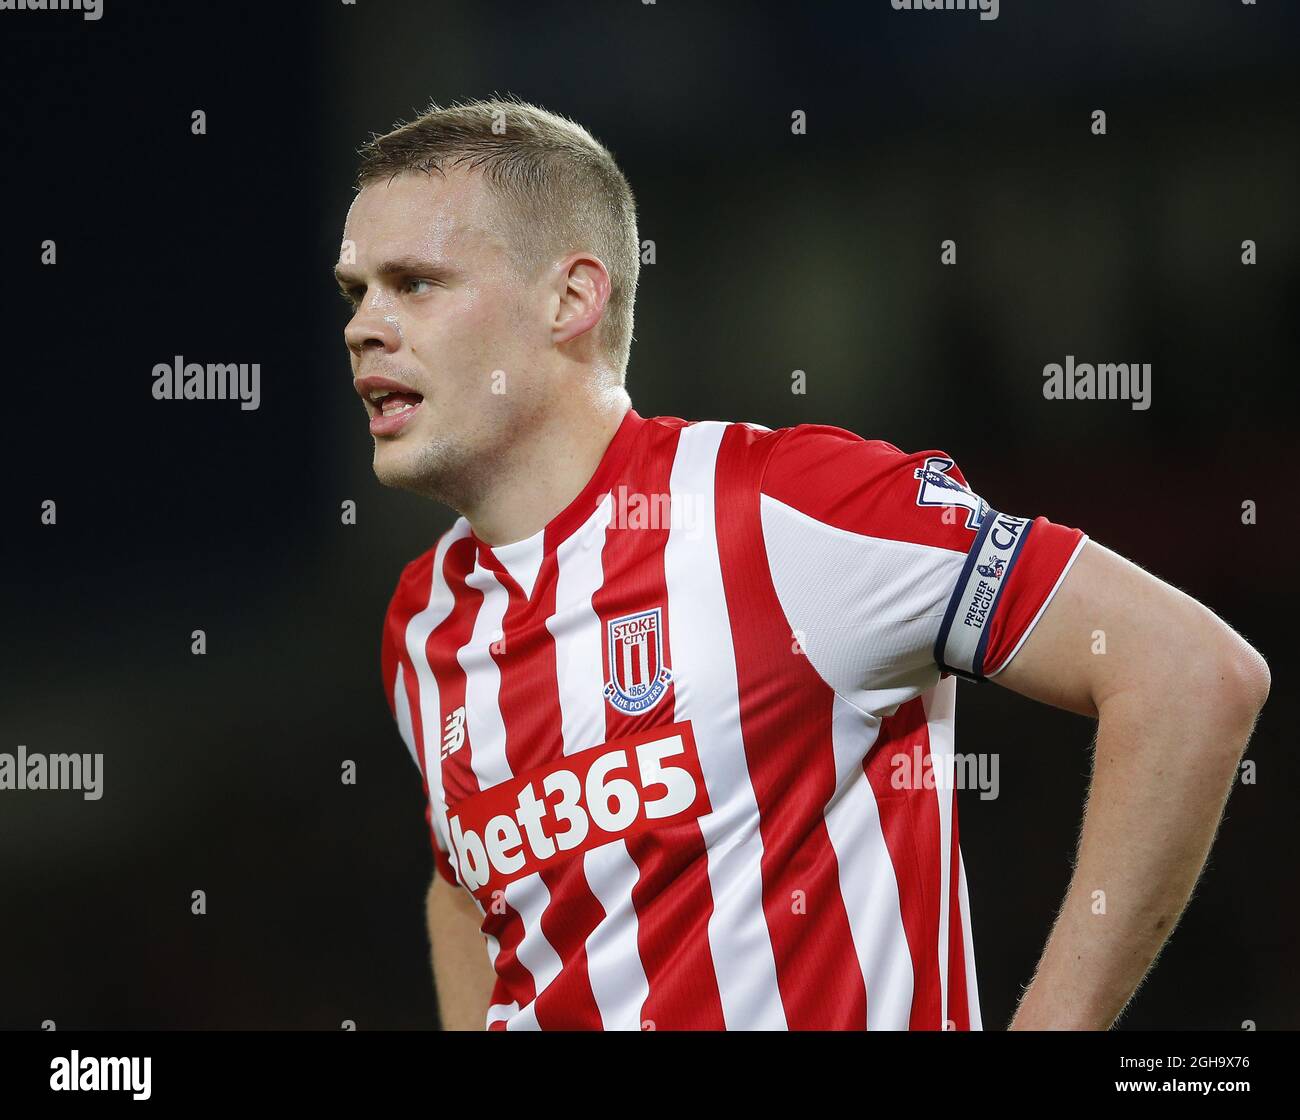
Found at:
(399, 266)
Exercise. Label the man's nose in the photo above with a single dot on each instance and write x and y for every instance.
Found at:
(370, 329)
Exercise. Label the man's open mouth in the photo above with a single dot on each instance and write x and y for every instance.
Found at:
(388, 402)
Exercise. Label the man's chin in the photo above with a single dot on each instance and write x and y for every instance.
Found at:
(419, 468)
(400, 468)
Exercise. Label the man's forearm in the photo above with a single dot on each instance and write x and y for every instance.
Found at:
(462, 976)
(1165, 762)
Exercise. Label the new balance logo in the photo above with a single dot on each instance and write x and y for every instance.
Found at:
(453, 732)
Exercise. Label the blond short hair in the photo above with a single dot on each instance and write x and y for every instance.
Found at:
(562, 189)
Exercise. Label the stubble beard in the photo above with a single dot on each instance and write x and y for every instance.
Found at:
(462, 468)
(441, 468)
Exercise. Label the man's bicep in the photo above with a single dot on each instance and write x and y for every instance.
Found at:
(1111, 627)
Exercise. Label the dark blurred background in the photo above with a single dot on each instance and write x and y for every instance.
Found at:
(775, 252)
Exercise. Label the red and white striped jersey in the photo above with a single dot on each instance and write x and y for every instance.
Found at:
(662, 739)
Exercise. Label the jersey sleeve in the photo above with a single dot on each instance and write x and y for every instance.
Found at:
(401, 689)
(892, 569)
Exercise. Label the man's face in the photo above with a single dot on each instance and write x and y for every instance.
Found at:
(445, 324)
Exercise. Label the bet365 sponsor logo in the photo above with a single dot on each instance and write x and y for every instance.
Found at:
(581, 801)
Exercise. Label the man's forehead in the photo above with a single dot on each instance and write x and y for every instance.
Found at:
(417, 211)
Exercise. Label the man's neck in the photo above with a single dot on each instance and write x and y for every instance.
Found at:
(549, 470)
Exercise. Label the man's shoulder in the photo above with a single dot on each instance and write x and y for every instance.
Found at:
(813, 443)
(799, 454)
(811, 466)
(415, 581)
(807, 440)
(862, 485)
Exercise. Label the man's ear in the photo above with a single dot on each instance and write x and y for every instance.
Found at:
(583, 284)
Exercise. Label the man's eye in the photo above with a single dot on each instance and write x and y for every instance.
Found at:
(410, 285)
(351, 296)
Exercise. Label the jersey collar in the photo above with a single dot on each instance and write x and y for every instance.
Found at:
(575, 514)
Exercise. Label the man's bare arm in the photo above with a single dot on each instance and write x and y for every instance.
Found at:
(462, 974)
(1176, 694)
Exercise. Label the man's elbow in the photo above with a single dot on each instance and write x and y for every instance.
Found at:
(1252, 679)
(1236, 680)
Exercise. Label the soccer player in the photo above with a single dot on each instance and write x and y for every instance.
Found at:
(682, 694)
